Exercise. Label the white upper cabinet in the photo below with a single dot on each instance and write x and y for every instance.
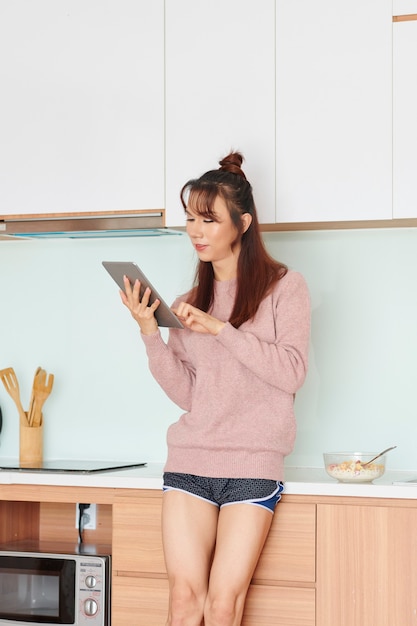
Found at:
(81, 106)
(220, 94)
(334, 110)
(405, 107)
(113, 106)
(404, 7)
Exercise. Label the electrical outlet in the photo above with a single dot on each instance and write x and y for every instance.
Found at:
(89, 521)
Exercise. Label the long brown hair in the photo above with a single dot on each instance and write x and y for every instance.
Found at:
(257, 271)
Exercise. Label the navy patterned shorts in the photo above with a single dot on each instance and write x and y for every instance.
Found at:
(225, 491)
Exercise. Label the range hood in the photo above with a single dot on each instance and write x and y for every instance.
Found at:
(141, 223)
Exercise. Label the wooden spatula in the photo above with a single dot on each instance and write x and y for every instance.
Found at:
(41, 390)
(9, 380)
(32, 397)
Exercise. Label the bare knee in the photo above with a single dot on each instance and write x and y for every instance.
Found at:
(186, 606)
(224, 610)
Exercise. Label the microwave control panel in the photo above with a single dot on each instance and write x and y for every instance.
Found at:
(93, 592)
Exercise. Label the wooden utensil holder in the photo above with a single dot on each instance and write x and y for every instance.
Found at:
(30, 446)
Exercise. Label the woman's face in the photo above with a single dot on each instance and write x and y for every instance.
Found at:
(215, 240)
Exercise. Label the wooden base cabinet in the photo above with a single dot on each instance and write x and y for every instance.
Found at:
(366, 564)
(282, 592)
(328, 560)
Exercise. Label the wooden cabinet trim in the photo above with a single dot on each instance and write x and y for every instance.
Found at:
(131, 496)
(353, 500)
(412, 17)
(108, 495)
(56, 493)
(139, 574)
(409, 222)
(342, 225)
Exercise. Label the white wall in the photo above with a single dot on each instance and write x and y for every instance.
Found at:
(59, 309)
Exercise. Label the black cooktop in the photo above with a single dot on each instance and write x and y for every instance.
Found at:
(71, 465)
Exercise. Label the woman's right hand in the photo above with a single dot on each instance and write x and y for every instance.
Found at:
(139, 308)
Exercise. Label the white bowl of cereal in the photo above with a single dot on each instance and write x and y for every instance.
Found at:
(354, 467)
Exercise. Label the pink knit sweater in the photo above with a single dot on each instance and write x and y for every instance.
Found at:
(237, 388)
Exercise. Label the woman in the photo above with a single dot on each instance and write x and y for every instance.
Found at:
(234, 370)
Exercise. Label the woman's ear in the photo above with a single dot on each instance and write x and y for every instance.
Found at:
(246, 221)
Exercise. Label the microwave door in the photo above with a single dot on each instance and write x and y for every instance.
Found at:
(29, 594)
(37, 590)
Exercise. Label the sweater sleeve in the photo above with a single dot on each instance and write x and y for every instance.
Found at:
(170, 367)
(283, 363)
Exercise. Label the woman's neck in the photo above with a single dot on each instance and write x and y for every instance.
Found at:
(226, 269)
(224, 273)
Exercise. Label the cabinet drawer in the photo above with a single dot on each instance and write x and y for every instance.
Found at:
(279, 606)
(290, 550)
(147, 600)
(137, 543)
(288, 555)
(139, 601)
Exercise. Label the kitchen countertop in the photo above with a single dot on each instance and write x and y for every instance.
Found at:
(299, 481)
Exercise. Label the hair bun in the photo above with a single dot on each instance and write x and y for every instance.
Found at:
(232, 164)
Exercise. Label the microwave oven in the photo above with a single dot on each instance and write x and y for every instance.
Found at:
(54, 584)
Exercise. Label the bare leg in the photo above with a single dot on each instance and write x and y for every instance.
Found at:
(241, 533)
(189, 526)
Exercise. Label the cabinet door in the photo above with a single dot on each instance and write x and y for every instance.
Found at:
(334, 110)
(82, 105)
(404, 7)
(289, 553)
(404, 114)
(366, 571)
(220, 94)
(137, 537)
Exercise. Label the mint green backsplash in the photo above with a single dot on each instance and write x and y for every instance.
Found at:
(60, 309)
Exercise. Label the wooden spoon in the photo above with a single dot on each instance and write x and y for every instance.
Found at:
(9, 380)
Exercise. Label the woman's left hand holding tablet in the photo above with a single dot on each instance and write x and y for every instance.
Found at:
(139, 309)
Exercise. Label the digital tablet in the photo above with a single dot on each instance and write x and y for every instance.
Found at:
(163, 314)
